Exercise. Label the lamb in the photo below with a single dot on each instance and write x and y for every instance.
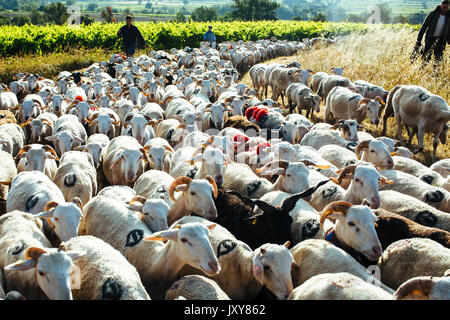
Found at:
(157, 263)
(196, 287)
(422, 172)
(197, 196)
(413, 186)
(338, 286)
(37, 157)
(425, 288)
(420, 110)
(76, 176)
(343, 103)
(104, 273)
(30, 265)
(414, 209)
(244, 271)
(302, 97)
(12, 138)
(317, 256)
(130, 157)
(409, 258)
(68, 134)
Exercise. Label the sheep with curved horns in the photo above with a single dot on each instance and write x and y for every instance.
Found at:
(343, 103)
(317, 256)
(419, 110)
(425, 288)
(158, 263)
(37, 157)
(338, 286)
(244, 272)
(354, 228)
(41, 127)
(301, 97)
(76, 176)
(128, 157)
(104, 273)
(30, 265)
(68, 134)
(411, 185)
(409, 258)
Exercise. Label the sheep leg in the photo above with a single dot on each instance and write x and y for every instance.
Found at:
(435, 144)
(398, 120)
(420, 136)
(282, 97)
(410, 134)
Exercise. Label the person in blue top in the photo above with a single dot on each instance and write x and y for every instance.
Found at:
(209, 36)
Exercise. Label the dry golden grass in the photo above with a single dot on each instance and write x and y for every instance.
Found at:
(382, 58)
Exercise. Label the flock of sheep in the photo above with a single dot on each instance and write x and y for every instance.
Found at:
(164, 177)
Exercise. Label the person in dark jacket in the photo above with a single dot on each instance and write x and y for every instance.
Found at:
(209, 36)
(130, 33)
(437, 28)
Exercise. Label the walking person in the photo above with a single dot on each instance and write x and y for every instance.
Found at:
(209, 36)
(436, 28)
(130, 33)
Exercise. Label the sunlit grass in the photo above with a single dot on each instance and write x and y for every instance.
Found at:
(382, 58)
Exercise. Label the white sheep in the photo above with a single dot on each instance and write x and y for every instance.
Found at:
(103, 272)
(442, 167)
(96, 146)
(338, 286)
(409, 258)
(244, 271)
(425, 288)
(68, 134)
(76, 176)
(196, 287)
(12, 138)
(37, 157)
(31, 266)
(159, 153)
(375, 152)
(158, 263)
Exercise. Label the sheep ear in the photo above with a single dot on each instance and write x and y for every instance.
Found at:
(135, 207)
(45, 214)
(366, 203)
(171, 234)
(182, 187)
(21, 265)
(266, 207)
(74, 255)
(258, 268)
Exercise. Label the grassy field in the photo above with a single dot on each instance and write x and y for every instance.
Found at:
(381, 58)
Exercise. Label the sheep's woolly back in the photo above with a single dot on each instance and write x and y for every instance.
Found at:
(338, 286)
(19, 231)
(196, 287)
(105, 274)
(409, 258)
(316, 256)
(7, 173)
(7, 116)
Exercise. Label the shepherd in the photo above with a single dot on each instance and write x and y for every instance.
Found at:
(130, 33)
(437, 28)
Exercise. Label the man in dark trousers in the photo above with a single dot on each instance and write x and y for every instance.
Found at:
(130, 34)
(437, 28)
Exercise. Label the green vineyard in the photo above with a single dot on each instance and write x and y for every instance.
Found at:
(53, 38)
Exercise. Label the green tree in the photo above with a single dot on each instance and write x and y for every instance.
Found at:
(401, 19)
(320, 17)
(247, 10)
(417, 18)
(204, 14)
(37, 18)
(87, 20)
(56, 13)
(180, 16)
(20, 20)
(148, 5)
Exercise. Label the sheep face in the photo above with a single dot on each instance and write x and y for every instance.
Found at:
(131, 163)
(65, 218)
(213, 163)
(357, 230)
(199, 198)
(154, 214)
(95, 150)
(160, 157)
(64, 141)
(53, 269)
(365, 185)
(193, 245)
(378, 154)
(289, 132)
(373, 109)
(272, 267)
(57, 103)
(138, 124)
(36, 157)
(295, 178)
(104, 123)
(28, 110)
(350, 130)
